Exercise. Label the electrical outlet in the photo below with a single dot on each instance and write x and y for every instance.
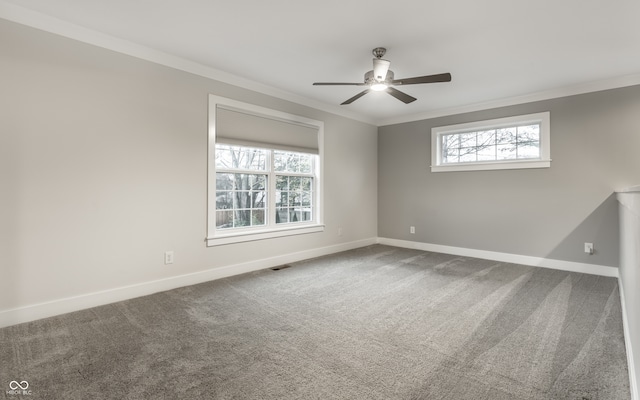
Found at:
(168, 257)
(588, 248)
(340, 231)
(412, 229)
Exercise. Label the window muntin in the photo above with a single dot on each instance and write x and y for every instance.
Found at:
(513, 142)
(509, 143)
(242, 158)
(286, 161)
(243, 177)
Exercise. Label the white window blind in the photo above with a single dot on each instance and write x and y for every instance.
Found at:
(238, 127)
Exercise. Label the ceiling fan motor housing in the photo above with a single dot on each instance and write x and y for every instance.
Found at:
(370, 77)
(380, 68)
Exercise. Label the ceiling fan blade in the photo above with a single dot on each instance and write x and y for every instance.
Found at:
(405, 98)
(423, 79)
(356, 97)
(338, 83)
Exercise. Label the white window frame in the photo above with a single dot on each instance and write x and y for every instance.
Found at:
(544, 161)
(216, 237)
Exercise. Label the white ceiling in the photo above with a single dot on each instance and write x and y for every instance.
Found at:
(498, 51)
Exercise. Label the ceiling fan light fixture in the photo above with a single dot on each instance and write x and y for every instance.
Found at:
(379, 86)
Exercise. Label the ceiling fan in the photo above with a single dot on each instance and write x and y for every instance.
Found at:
(381, 79)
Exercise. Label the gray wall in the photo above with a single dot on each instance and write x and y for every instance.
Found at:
(103, 167)
(547, 213)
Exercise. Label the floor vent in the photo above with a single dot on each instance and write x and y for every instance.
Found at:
(279, 267)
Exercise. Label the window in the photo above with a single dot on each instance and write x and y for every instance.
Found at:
(264, 173)
(243, 181)
(241, 187)
(505, 143)
(294, 187)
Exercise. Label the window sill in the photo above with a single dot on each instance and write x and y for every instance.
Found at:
(239, 237)
(477, 166)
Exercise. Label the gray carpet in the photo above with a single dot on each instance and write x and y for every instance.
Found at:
(373, 323)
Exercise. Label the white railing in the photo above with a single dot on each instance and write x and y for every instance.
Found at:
(629, 214)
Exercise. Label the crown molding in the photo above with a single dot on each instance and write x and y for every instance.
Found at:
(37, 20)
(582, 88)
(34, 19)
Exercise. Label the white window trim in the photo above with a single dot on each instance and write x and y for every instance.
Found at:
(545, 149)
(218, 237)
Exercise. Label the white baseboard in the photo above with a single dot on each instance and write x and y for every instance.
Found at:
(633, 383)
(506, 257)
(69, 304)
(602, 270)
